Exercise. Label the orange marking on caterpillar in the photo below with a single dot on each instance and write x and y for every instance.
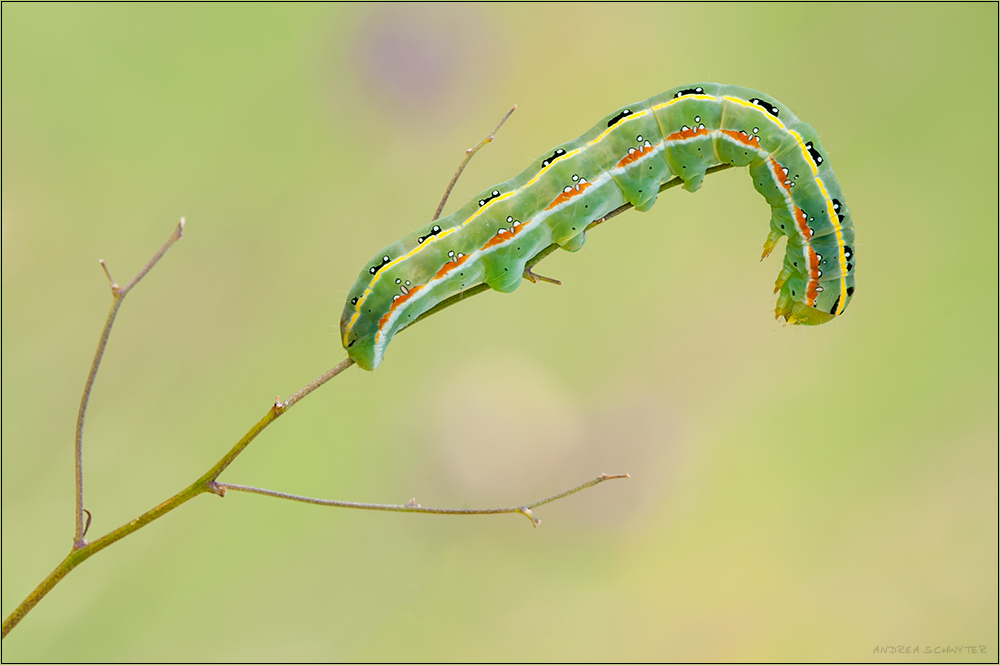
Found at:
(812, 290)
(450, 265)
(781, 175)
(801, 220)
(745, 139)
(396, 302)
(635, 154)
(400, 299)
(503, 235)
(566, 196)
(688, 133)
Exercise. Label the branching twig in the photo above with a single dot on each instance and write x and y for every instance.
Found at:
(118, 294)
(465, 162)
(413, 507)
(83, 550)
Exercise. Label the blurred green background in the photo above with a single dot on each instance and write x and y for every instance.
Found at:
(796, 494)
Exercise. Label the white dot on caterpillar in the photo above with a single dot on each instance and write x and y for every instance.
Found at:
(407, 282)
(567, 189)
(697, 118)
(575, 177)
(756, 129)
(451, 253)
(399, 281)
(510, 219)
(631, 151)
(639, 138)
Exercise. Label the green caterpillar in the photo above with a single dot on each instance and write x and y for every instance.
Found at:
(623, 159)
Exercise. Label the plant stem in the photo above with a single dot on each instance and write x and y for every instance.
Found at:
(117, 296)
(465, 162)
(207, 482)
(413, 507)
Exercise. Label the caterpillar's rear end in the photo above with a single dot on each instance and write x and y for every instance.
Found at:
(789, 167)
(816, 281)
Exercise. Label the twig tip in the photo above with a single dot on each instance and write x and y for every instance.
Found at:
(107, 273)
(527, 513)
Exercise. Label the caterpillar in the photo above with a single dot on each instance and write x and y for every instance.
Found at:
(622, 160)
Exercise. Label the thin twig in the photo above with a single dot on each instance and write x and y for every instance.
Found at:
(278, 409)
(413, 507)
(465, 162)
(207, 482)
(117, 296)
(326, 376)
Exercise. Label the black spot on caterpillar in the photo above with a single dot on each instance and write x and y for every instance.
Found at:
(764, 105)
(621, 116)
(375, 268)
(690, 91)
(555, 155)
(433, 232)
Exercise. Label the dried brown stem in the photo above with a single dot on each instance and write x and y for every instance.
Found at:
(118, 294)
(465, 162)
(83, 550)
(413, 507)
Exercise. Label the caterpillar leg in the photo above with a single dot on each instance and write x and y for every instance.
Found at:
(692, 181)
(772, 239)
(575, 243)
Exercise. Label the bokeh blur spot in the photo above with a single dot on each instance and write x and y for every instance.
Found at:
(416, 59)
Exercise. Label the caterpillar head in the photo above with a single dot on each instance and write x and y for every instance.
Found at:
(357, 332)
